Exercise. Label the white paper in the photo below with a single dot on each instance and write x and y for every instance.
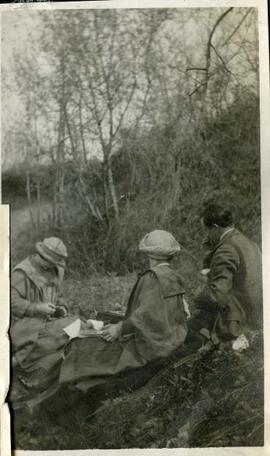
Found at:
(96, 324)
(73, 330)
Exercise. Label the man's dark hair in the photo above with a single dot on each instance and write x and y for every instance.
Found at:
(213, 214)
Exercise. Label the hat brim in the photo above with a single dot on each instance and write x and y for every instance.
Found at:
(159, 257)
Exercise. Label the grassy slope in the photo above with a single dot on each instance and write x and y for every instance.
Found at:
(210, 400)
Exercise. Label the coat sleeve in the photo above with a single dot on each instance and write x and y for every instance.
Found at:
(20, 306)
(224, 264)
(145, 315)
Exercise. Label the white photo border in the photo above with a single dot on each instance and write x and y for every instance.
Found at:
(261, 5)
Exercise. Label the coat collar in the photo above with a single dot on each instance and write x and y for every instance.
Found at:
(34, 273)
(227, 236)
(168, 279)
(229, 230)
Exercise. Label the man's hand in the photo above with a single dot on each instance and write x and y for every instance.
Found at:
(111, 332)
(45, 309)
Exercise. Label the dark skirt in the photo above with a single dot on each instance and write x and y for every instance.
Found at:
(96, 360)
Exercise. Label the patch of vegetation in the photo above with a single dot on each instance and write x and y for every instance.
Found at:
(206, 399)
(217, 397)
(103, 293)
(161, 184)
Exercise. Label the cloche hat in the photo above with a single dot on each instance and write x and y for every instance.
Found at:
(53, 250)
(159, 245)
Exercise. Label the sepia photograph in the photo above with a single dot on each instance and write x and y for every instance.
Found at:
(131, 161)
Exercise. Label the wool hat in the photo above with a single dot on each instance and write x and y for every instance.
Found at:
(159, 245)
(54, 250)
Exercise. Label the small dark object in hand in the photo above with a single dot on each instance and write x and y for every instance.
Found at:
(60, 312)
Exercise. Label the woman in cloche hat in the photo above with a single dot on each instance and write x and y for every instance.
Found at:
(38, 316)
(154, 324)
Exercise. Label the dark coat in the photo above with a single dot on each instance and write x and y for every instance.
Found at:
(234, 288)
(154, 326)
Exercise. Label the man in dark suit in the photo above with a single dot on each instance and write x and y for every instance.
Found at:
(231, 300)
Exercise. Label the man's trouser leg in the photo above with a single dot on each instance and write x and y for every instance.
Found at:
(199, 328)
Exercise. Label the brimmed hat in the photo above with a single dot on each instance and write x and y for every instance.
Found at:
(54, 250)
(159, 245)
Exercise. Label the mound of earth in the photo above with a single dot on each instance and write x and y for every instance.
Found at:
(204, 399)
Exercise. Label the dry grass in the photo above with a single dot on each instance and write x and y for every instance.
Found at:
(99, 292)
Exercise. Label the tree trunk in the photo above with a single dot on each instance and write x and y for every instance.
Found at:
(109, 188)
(61, 199)
(113, 190)
(94, 210)
(54, 205)
(106, 190)
(60, 171)
(82, 133)
(38, 201)
(29, 198)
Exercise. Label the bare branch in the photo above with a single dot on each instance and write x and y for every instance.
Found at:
(221, 59)
(122, 115)
(209, 43)
(196, 69)
(237, 27)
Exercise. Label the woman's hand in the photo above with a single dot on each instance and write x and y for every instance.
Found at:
(45, 309)
(111, 332)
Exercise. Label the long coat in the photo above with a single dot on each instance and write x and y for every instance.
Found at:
(153, 327)
(37, 342)
(234, 288)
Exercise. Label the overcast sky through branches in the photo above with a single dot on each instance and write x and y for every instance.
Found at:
(181, 43)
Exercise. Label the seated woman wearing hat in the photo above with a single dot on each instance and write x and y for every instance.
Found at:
(38, 315)
(153, 327)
